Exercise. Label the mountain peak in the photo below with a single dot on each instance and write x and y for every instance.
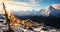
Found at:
(53, 11)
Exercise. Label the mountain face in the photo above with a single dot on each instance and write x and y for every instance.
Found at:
(52, 11)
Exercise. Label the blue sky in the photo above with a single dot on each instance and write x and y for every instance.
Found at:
(29, 4)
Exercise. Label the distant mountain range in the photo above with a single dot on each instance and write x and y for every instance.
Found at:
(51, 11)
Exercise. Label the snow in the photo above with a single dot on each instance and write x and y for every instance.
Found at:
(38, 29)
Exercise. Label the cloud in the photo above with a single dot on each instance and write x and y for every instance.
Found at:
(32, 2)
(12, 4)
(35, 2)
(15, 5)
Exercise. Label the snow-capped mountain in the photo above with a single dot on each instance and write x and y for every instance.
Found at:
(53, 10)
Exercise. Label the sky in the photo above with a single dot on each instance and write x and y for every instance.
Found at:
(28, 4)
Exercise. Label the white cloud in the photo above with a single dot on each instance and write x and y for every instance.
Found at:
(11, 4)
(35, 2)
(15, 5)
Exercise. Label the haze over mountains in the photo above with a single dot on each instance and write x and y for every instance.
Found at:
(53, 10)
